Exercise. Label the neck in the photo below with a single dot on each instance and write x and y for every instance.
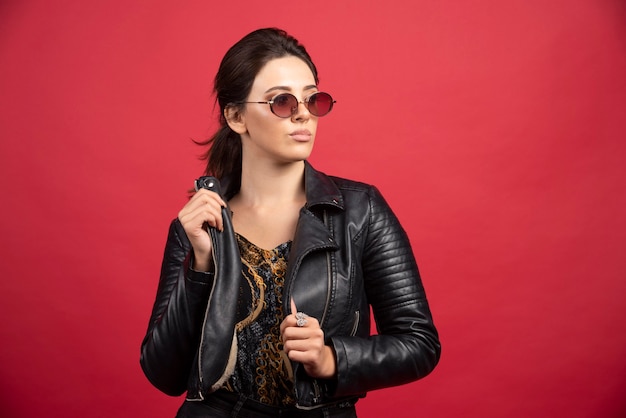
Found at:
(271, 184)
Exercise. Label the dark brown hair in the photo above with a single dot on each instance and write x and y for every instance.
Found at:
(232, 85)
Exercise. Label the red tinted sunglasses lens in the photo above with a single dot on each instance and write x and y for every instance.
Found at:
(319, 104)
(284, 105)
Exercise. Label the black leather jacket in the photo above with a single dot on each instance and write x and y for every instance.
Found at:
(349, 252)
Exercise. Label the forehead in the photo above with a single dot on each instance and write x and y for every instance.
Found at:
(288, 71)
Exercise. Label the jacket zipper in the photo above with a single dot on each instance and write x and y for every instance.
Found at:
(316, 388)
(329, 277)
(206, 315)
(355, 326)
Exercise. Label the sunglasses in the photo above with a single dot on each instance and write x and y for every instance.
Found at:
(285, 105)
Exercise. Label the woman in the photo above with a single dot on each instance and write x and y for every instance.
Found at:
(263, 306)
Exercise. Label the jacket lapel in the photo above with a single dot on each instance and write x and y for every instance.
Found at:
(308, 269)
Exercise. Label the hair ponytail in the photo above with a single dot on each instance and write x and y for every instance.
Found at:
(224, 156)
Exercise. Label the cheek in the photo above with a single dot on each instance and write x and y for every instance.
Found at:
(258, 124)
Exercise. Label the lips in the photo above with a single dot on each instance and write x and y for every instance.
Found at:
(301, 135)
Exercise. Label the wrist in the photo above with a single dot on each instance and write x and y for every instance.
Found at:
(201, 262)
(329, 368)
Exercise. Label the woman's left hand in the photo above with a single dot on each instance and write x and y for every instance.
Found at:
(305, 344)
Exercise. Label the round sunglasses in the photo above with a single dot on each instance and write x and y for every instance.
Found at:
(285, 105)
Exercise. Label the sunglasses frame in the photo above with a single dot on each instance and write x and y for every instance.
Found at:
(294, 110)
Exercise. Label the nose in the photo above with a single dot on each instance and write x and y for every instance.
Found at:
(301, 112)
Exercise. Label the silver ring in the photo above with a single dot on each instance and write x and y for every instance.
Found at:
(301, 319)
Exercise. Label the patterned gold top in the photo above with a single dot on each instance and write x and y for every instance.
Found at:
(263, 371)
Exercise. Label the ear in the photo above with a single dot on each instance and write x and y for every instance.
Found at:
(235, 119)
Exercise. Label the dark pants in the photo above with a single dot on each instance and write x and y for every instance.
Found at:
(223, 404)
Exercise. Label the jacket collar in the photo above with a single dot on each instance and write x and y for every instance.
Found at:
(320, 189)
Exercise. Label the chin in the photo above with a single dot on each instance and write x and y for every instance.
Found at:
(303, 152)
(296, 157)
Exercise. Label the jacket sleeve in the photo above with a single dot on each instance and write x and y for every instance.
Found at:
(171, 341)
(407, 346)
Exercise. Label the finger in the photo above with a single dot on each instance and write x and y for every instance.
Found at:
(215, 205)
(202, 218)
(208, 193)
(304, 350)
(203, 199)
(205, 196)
(203, 210)
(194, 221)
(290, 320)
(293, 333)
(293, 307)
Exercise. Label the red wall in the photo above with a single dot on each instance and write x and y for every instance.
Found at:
(494, 128)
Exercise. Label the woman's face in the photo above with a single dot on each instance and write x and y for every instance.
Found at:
(265, 135)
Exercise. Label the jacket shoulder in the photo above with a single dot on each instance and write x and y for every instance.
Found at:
(348, 184)
(339, 192)
(353, 190)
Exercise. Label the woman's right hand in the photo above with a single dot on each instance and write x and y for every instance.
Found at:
(204, 207)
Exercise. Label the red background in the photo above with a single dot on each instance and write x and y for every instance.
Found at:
(494, 128)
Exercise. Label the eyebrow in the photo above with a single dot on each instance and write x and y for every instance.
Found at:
(309, 87)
